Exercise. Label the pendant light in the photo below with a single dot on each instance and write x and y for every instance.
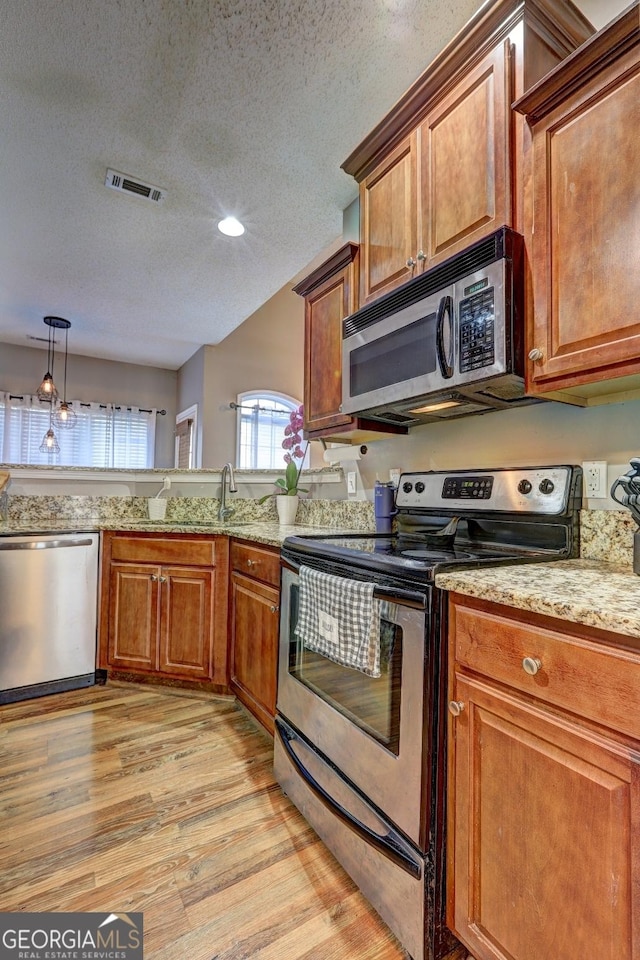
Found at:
(64, 417)
(47, 390)
(50, 441)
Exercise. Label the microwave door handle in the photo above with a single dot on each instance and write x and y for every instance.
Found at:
(445, 308)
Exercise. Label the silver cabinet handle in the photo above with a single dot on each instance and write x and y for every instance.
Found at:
(162, 579)
(421, 255)
(536, 354)
(274, 609)
(153, 577)
(250, 563)
(411, 262)
(531, 665)
(456, 707)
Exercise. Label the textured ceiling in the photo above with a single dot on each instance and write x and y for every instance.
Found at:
(244, 107)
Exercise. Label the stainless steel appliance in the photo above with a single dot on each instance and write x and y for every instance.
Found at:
(48, 613)
(364, 757)
(446, 344)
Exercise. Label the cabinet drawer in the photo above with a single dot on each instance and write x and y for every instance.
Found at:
(593, 680)
(198, 552)
(261, 563)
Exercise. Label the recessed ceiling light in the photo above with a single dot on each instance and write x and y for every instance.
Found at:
(231, 227)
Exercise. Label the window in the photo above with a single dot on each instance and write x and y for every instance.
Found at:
(105, 435)
(262, 417)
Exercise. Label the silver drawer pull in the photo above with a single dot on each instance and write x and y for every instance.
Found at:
(456, 707)
(250, 563)
(274, 609)
(531, 665)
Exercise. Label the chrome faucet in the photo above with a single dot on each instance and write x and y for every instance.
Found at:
(224, 512)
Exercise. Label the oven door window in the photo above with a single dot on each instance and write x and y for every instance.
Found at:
(373, 704)
(403, 354)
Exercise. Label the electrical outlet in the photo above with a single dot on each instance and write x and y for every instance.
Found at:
(351, 481)
(595, 479)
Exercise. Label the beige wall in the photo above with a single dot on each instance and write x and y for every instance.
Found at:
(263, 353)
(190, 392)
(102, 381)
(543, 433)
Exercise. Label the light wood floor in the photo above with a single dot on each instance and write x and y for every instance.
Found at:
(125, 798)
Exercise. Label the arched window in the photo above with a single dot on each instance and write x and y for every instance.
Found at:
(262, 417)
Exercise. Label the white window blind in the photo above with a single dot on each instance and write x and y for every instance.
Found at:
(262, 417)
(105, 435)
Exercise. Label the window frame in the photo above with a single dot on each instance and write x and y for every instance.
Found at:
(275, 396)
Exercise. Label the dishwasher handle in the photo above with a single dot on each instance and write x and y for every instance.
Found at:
(43, 544)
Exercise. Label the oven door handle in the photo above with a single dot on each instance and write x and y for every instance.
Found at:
(389, 843)
(396, 595)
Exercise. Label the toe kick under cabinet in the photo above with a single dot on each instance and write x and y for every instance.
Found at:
(164, 602)
(544, 791)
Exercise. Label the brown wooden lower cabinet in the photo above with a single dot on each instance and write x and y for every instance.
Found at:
(255, 606)
(164, 606)
(544, 793)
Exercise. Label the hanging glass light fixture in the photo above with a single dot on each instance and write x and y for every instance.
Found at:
(47, 390)
(64, 416)
(50, 441)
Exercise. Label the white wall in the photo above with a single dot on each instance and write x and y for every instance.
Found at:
(102, 381)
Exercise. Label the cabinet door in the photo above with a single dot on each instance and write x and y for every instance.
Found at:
(389, 222)
(133, 616)
(585, 233)
(254, 646)
(186, 621)
(325, 308)
(465, 150)
(543, 834)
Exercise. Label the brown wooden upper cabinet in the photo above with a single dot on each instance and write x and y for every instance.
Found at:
(444, 168)
(582, 225)
(330, 294)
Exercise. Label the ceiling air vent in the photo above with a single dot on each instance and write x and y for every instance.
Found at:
(125, 184)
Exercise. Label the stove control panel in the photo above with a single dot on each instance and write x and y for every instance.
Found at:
(543, 490)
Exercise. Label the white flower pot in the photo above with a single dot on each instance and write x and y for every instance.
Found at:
(287, 508)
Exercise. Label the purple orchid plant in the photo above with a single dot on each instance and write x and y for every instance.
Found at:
(288, 485)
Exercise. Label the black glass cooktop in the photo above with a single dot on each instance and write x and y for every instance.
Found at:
(407, 557)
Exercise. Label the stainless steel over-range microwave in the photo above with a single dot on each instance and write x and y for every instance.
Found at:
(447, 343)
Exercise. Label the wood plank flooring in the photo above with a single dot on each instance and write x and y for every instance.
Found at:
(125, 798)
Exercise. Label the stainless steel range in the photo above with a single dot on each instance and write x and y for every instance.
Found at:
(362, 676)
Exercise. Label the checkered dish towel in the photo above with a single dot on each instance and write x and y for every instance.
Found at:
(339, 619)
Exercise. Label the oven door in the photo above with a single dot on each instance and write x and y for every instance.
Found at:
(373, 729)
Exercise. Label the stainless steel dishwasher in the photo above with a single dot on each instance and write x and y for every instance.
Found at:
(48, 613)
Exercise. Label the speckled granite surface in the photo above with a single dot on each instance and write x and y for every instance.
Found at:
(607, 535)
(250, 520)
(592, 592)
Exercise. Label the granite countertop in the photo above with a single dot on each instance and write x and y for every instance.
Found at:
(591, 592)
(270, 533)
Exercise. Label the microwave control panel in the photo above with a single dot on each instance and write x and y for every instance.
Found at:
(476, 320)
